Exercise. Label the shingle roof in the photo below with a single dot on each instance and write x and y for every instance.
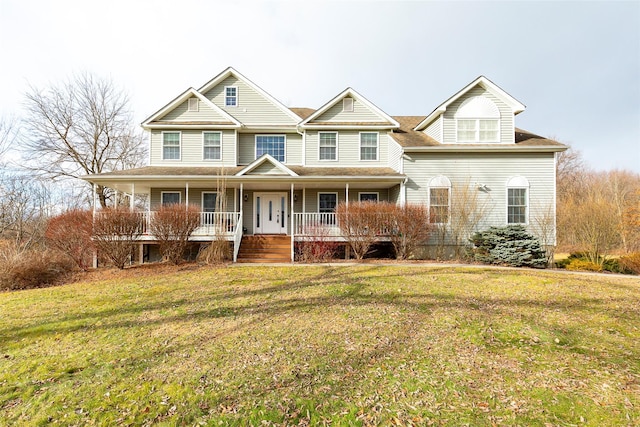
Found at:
(524, 137)
(303, 112)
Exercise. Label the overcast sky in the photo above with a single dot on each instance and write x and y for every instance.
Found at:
(575, 65)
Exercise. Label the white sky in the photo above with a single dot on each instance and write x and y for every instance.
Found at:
(575, 65)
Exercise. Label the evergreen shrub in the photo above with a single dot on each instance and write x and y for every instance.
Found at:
(511, 245)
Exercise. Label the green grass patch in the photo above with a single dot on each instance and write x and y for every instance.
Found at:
(324, 345)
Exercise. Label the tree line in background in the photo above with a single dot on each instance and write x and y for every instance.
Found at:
(84, 126)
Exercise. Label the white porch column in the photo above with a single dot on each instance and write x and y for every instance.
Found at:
(346, 196)
(304, 199)
(291, 219)
(403, 193)
(115, 201)
(186, 196)
(95, 195)
(133, 196)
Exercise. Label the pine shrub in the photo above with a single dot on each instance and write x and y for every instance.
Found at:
(511, 245)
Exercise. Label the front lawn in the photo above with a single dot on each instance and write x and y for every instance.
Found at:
(320, 345)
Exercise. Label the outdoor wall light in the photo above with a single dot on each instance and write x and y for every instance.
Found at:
(246, 197)
(295, 197)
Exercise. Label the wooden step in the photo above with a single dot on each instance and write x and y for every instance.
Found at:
(265, 249)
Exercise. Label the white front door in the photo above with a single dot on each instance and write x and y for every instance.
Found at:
(271, 213)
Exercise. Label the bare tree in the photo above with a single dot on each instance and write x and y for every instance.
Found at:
(81, 127)
(8, 133)
(468, 209)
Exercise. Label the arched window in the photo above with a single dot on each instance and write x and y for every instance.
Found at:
(439, 199)
(517, 200)
(478, 120)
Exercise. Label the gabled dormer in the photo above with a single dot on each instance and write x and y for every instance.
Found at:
(349, 109)
(246, 101)
(190, 109)
(480, 113)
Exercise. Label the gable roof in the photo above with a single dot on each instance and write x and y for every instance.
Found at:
(230, 71)
(229, 119)
(355, 95)
(484, 82)
(264, 159)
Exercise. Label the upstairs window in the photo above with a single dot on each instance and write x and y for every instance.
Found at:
(274, 145)
(231, 96)
(212, 145)
(171, 145)
(328, 146)
(517, 200)
(478, 120)
(369, 146)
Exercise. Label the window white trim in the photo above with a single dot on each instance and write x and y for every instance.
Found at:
(477, 130)
(377, 146)
(360, 193)
(328, 160)
(162, 193)
(518, 183)
(193, 105)
(179, 145)
(235, 97)
(255, 146)
(326, 192)
(348, 104)
(215, 207)
(203, 146)
(440, 182)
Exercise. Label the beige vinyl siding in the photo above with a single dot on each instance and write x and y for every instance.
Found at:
(252, 108)
(490, 169)
(267, 169)
(394, 194)
(204, 113)
(195, 196)
(191, 149)
(395, 154)
(348, 150)
(360, 113)
(507, 130)
(434, 130)
(247, 148)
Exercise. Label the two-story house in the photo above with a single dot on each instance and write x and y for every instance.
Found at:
(261, 168)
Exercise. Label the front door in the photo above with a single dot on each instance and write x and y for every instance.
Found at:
(271, 213)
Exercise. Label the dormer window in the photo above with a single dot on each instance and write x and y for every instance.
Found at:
(231, 96)
(347, 104)
(478, 120)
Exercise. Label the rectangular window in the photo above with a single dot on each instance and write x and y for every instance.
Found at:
(347, 104)
(439, 205)
(368, 197)
(171, 145)
(327, 203)
(369, 146)
(478, 130)
(231, 96)
(212, 145)
(170, 197)
(209, 201)
(193, 104)
(328, 145)
(517, 206)
(273, 145)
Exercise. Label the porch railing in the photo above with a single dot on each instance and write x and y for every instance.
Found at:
(315, 224)
(237, 237)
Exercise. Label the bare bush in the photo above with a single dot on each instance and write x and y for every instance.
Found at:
(115, 233)
(321, 246)
(466, 214)
(360, 224)
(216, 252)
(70, 233)
(407, 226)
(33, 268)
(172, 225)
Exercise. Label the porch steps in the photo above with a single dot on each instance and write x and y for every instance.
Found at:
(265, 249)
